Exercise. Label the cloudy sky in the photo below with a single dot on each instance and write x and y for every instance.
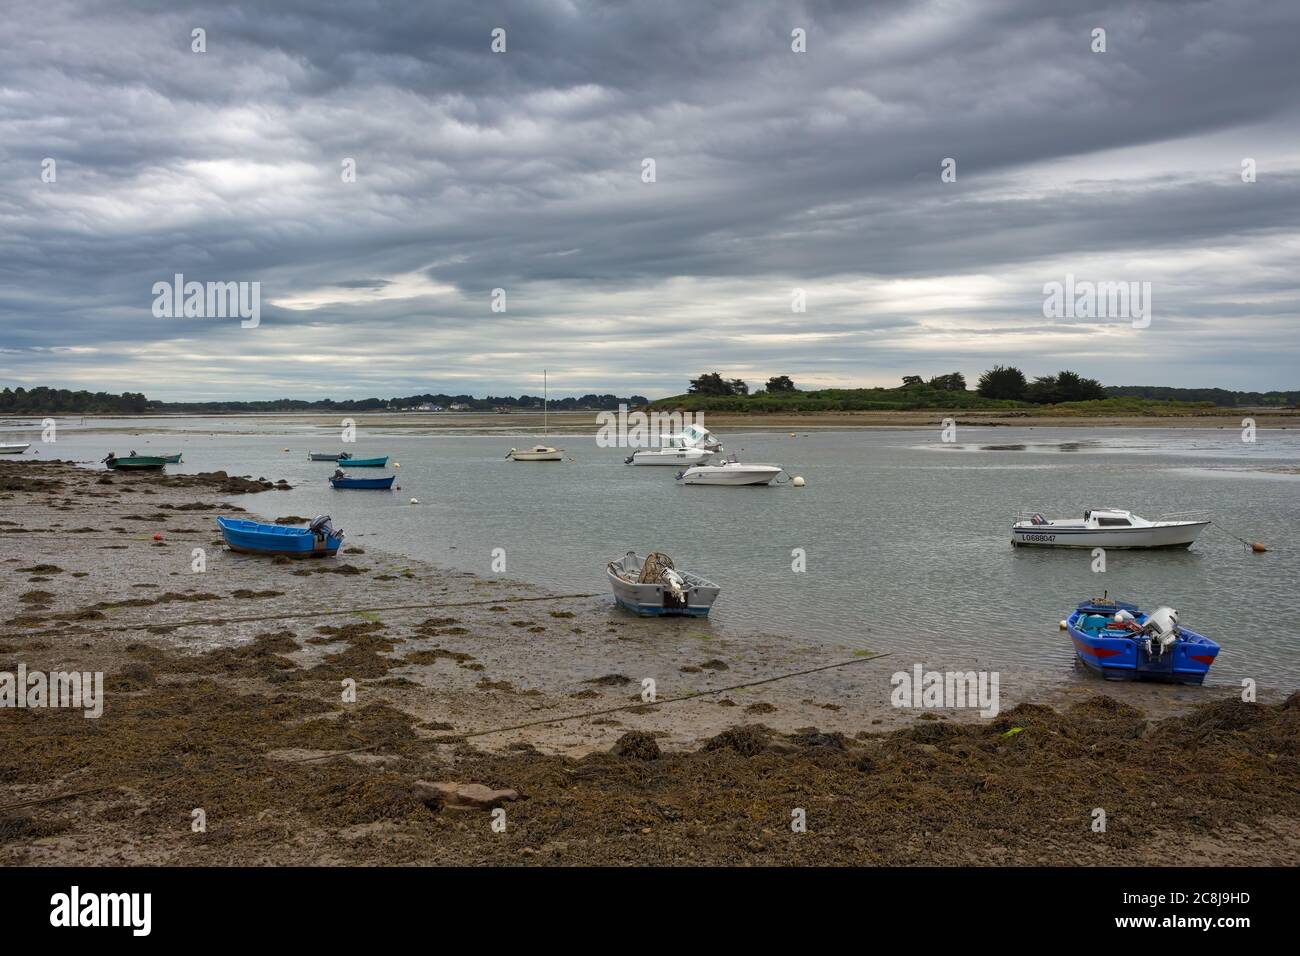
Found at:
(774, 170)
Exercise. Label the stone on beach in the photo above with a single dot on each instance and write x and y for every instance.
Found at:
(461, 796)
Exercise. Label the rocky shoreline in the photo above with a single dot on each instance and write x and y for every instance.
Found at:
(225, 694)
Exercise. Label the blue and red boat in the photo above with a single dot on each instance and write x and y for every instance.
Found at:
(1120, 642)
(319, 539)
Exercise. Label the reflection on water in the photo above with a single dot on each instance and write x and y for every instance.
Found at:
(902, 552)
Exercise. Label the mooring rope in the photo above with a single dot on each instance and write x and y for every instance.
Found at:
(201, 621)
(669, 700)
(1252, 545)
(478, 733)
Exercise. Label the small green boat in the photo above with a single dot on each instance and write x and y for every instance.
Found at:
(134, 463)
(364, 462)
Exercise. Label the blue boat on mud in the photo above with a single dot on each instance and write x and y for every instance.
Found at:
(1120, 642)
(346, 481)
(317, 540)
(364, 462)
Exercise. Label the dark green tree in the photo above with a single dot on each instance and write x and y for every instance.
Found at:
(953, 382)
(1003, 381)
(710, 383)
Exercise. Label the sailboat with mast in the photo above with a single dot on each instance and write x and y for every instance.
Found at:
(540, 452)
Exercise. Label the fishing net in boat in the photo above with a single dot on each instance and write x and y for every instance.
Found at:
(656, 563)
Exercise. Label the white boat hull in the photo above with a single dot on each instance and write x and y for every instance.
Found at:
(1173, 535)
(730, 475)
(14, 449)
(551, 454)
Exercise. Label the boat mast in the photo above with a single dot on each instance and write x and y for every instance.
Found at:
(546, 403)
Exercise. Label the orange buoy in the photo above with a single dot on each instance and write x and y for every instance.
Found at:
(157, 537)
(1258, 548)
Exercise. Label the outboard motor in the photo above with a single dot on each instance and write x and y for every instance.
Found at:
(674, 582)
(322, 527)
(1161, 628)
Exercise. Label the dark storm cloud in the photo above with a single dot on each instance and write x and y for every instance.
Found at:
(775, 171)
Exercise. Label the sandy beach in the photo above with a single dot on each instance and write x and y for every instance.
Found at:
(224, 692)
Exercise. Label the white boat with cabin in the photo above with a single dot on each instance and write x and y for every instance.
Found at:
(692, 445)
(10, 449)
(1108, 528)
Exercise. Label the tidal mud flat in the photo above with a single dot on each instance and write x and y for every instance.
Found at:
(224, 693)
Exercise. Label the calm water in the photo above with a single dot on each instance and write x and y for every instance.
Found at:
(906, 539)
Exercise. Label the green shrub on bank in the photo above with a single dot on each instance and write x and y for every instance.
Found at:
(914, 398)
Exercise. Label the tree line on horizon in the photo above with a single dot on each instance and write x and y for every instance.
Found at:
(61, 401)
(999, 383)
(1008, 383)
(54, 401)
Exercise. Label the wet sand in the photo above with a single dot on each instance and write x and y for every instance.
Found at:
(224, 691)
(586, 422)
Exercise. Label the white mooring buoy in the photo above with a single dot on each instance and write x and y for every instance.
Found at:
(797, 481)
(415, 501)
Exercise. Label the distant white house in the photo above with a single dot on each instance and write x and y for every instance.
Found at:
(459, 407)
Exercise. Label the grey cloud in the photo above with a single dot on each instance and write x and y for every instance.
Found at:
(521, 171)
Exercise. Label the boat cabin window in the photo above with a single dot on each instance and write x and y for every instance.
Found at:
(1114, 523)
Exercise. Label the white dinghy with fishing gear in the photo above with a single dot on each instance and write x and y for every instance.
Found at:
(654, 588)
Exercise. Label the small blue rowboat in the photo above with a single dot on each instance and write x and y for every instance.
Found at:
(364, 462)
(347, 482)
(318, 540)
(1120, 642)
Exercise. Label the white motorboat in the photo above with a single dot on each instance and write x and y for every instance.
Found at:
(539, 452)
(1108, 528)
(653, 587)
(729, 472)
(7, 449)
(692, 445)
